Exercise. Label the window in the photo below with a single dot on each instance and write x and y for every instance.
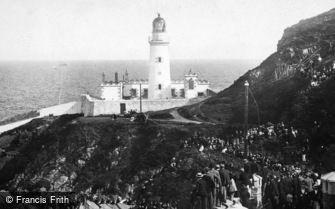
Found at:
(145, 94)
(159, 86)
(182, 93)
(173, 93)
(122, 108)
(133, 92)
(191, 84)
(159, 59)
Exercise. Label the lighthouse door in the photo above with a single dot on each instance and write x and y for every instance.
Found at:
(122, 108)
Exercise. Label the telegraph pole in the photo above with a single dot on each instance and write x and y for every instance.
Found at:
(140, 98)
(246, 145)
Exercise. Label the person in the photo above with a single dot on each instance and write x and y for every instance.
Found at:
(245, 178)
(303, 200)
(296, 187)
(266, 192)
(309, 183)
(282, 191)
(218, 187)
(289, 202)
(274, 192)
(215, 176)
(210, 187)
(256, 191)
(316, 198)
(200, 194)
(287, 186)
(232, 187)
(245, 196)
(225, 180)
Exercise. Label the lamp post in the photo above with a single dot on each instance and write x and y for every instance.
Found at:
(246, 145)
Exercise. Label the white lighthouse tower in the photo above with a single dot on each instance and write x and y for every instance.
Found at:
(159, 62)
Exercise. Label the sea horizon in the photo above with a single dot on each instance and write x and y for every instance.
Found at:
(32, 84)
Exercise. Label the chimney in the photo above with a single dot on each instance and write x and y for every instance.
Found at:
(116, 77)
(126, 77)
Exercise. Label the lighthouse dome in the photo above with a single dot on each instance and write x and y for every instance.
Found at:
(158, 25)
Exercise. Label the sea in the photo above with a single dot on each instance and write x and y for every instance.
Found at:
(32, 85)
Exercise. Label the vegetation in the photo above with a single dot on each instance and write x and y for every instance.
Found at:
(106, 155)
(292, 93)
(103, 155)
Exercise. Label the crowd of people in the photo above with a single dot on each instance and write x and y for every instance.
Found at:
(282, 185)
(317, 72)
(233, 140)
(257, 181)
(213, 187)
(316, 64)
(144, 204)
(275, 186)
(313, 62)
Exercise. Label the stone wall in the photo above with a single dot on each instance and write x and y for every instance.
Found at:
(94, 107)
(67, 108)
(87, 105)
(62, 109)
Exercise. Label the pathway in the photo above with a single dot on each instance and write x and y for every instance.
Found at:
(179, 118)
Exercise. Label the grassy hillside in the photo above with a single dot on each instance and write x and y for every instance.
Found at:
(294, 85)
(283, 83)
(101, 155)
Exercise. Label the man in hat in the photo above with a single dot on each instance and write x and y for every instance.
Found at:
(225, 179)
(215, 177)
(218, 187)
(200, 195)
(245, 196)
(244, 178)
(274, 192)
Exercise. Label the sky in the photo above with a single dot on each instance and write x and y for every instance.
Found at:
(119, 29)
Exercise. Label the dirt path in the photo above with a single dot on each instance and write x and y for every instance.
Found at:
(179, 118)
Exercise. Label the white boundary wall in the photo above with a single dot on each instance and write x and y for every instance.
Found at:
(94, 107)
(67, 108)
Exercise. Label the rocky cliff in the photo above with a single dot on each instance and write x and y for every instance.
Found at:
(294, 85)
(287, 85)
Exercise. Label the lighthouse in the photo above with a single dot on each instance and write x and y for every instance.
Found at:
(159, 62)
